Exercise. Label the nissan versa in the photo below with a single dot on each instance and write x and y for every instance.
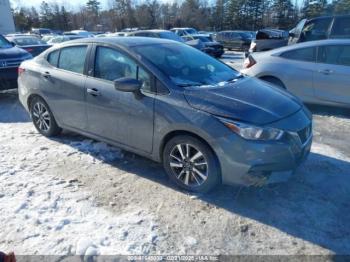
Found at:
(171, 103)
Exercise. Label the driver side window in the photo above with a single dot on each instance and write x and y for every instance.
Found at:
(111, 64)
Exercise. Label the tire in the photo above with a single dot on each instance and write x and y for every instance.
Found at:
(273, 80)
(43, 118)
(201, 174)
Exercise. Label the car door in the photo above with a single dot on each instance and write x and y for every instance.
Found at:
(297, 72)
(63, 84)
(122, 117)
(331, 80)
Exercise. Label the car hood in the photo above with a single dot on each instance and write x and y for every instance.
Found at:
(12, 52)
(248, 99)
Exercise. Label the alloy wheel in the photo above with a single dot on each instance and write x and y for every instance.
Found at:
(189, 165)
(41, 117)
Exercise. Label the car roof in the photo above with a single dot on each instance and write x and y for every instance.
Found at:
(123, 41)
(151, 31)
(311, 44)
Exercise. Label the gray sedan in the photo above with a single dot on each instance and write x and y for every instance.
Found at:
(171, 103)
(317, 72)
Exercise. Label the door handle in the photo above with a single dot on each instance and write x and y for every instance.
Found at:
(93, 92)
(326, 71)
(46, 75)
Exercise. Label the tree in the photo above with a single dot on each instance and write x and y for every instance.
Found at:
(46, 15)
(315, 8)
(341, 7)
(283, 14)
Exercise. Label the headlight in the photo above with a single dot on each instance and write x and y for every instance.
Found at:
(253, 132)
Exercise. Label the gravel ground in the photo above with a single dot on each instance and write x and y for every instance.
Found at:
(72, 195)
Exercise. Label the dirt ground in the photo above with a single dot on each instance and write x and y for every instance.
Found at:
(72, 195)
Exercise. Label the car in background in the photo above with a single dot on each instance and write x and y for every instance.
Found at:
(31, 44)
(47, 38)
(169, 102)
(181, 31)
(41, 31)
(11, 57)
(82, 33)
(317, 72)
(235, 40)
(165, 34)
(63, 38)
(268, 39)
(326, 27)
(210, 47)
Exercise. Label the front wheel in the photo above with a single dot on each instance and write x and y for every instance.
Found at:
(191, 164)
(42, 118)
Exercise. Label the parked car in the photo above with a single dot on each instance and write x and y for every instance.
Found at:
(235, 40)
(171, 103)
(165, 34)
(210, 47)
(317, 72)
(181, 31)
(82, 33)
(41, 31)
(268, 39)
(63, 38)
(10, 58)
(31, 44)
(326, 27)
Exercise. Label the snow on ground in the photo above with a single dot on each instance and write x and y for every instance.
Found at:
(72, 195)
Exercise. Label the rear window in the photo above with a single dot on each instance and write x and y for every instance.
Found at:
(28, 41)
(302, 54)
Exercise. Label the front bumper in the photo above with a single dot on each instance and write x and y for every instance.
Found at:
(245, 162)
(8, 78)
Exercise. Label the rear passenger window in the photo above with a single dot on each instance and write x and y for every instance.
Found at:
(335, 55)
(73, 59)
(303, 54)
(53, 58)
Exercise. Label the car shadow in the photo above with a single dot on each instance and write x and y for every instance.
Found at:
(11, 110)
(329, 110)
(313, 205)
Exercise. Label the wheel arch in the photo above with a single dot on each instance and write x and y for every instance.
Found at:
(175, 133)
(269, 76)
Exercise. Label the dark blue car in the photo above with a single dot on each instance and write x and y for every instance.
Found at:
(10, 59)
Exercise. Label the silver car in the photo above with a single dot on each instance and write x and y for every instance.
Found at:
(171, 103)
(317, 72)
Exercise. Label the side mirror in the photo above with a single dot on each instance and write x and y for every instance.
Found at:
(292, 35)
(127, 84)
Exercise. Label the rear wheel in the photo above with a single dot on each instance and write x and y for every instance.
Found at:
(191, 164)
(43, 118)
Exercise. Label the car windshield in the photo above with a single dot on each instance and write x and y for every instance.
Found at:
(171, 36)
(4, 43)
(23, 41)
(191, 31)
(186, 66)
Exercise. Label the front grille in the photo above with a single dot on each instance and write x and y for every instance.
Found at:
(305, 134)
(10, 63)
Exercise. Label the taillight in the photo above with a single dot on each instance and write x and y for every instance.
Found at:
(21, 70)
(249, 62)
